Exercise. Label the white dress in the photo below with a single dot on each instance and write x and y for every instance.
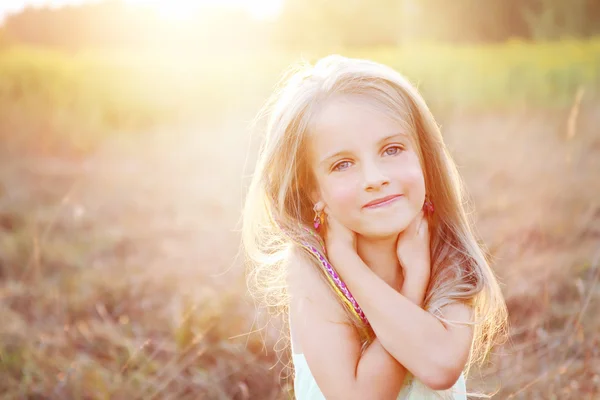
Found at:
(305, 386)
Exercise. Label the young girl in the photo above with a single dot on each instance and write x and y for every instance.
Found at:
(354, 220)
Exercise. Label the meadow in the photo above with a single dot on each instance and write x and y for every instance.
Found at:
(59, 101)
(122, 179)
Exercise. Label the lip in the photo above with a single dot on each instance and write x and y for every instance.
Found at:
(382, 201)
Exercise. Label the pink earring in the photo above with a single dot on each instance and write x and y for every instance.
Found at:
(318, 219)
(428, 206)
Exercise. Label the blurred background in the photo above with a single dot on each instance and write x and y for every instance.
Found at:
(126, 147)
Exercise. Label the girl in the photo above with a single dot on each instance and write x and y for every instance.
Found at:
(354, 221)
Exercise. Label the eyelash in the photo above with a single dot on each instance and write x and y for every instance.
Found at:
(336, 166)
(400, 149)
(395, 146)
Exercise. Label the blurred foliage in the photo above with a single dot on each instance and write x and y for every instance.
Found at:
(306, 24)
(552, 19)
(514, 74)
(115, 24)
(51, 100)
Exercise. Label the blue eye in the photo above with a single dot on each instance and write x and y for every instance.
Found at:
(395, 150)
(341, 166)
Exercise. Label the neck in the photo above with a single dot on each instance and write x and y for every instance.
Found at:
(380, 256)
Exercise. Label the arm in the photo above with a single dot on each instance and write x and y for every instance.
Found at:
(332, 347)
(433, 352)
(414, 289)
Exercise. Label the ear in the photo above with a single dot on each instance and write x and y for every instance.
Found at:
(319, 205)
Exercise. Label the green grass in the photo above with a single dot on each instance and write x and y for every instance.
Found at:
(55, 102)
(508, 75)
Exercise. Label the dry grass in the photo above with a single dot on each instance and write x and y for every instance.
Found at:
(535, 189)
(120, 275)
(114, 279)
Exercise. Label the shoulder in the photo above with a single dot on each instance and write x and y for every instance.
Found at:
(307, 283)
(312, 303)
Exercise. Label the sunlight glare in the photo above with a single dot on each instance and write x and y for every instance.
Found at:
(263, 9)
(183, 9)
(171, 9)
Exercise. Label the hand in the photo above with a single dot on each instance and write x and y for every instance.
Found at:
(412, 249)
(339, 240)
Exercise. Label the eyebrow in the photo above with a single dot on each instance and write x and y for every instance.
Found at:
(392, 136)
(382, 140)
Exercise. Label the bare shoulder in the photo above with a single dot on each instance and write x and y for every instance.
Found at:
(308, 288)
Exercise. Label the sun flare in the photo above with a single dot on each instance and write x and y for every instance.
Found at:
(184, 9)
(171, 9)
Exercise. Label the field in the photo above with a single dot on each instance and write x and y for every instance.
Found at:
(57, 102)
(121, 188)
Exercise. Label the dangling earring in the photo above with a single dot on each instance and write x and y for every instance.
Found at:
(318, 219)
(428, 206)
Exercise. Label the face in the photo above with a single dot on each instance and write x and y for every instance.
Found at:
(366, 168)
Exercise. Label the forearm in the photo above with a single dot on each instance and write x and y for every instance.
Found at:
(376, 363)
(414, 337)
(414, 288)
(376, 366)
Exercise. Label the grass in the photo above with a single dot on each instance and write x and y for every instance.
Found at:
(69, 102)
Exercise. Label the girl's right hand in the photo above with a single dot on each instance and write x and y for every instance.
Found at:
(339, 240)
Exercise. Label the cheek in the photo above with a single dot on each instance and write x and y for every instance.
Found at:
(414, 177)
(411, 177)
(341, 196)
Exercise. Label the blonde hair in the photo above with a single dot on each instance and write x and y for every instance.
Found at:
(278, 208)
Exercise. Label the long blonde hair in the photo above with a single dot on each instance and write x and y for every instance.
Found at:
(277, 207)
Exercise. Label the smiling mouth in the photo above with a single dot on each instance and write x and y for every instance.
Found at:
(383, 202)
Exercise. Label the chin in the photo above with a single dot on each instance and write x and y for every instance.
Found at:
(383, 232)
(385, 229)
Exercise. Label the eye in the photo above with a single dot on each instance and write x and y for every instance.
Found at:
(393, 150)
(342, 165)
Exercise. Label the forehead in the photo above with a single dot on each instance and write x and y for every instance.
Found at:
(348, 123)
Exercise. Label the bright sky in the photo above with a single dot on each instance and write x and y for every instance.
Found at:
(261, 9)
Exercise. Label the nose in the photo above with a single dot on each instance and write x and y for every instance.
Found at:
(374, 177)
